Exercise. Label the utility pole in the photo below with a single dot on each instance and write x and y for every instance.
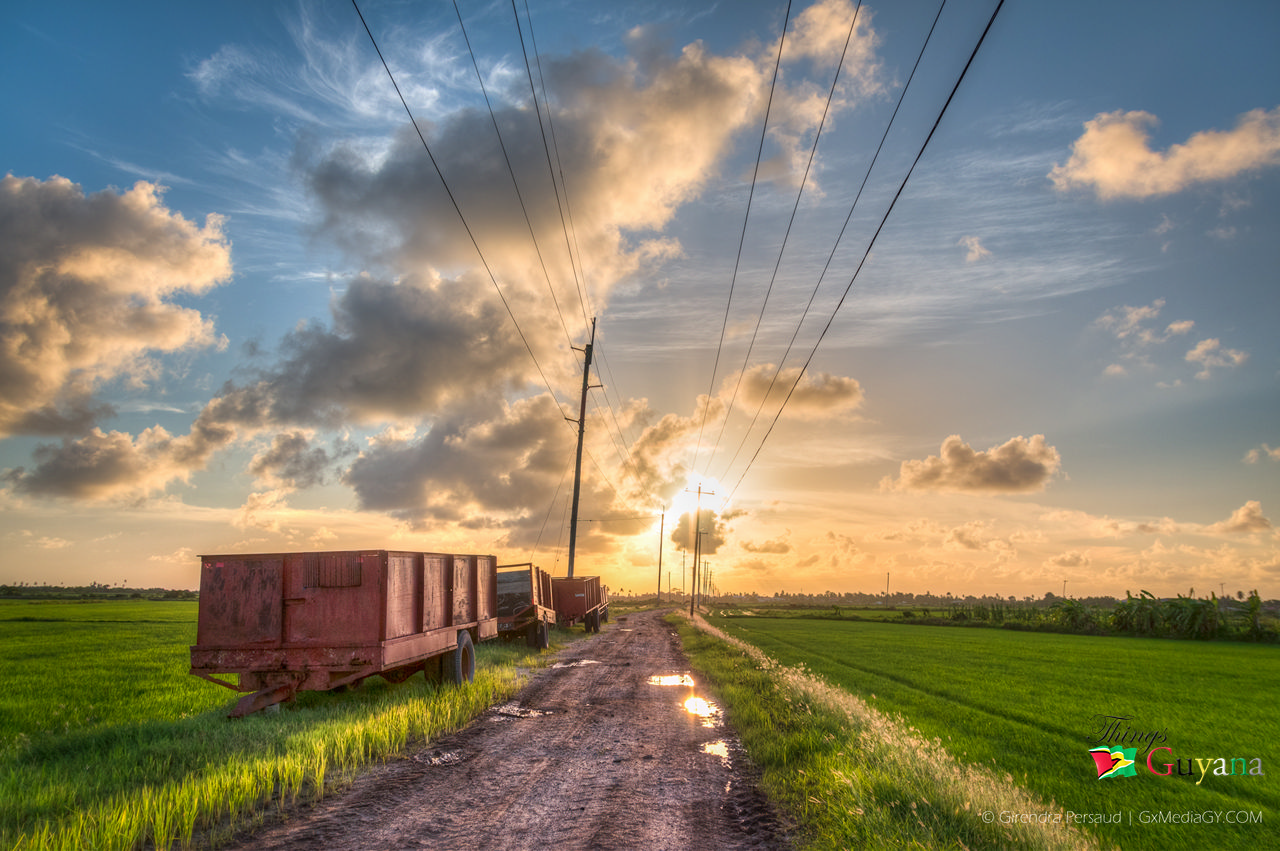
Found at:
(582, 423)
(697, 545)
(693, 572)
(662, 524)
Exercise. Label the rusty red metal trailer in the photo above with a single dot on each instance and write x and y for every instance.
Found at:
(314, 621)
(581, 599)
(525, 604)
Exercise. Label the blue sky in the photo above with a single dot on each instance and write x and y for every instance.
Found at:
(240, 312)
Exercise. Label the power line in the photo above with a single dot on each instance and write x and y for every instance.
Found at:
(456, 208)
(582, 299)
(566, 207)
(511, 170)
(475, 244)
(879, 228)
(764, 127)
(813, 151)
(839, 237)
(550, 506)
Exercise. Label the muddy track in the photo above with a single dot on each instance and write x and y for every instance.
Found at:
(596, 752)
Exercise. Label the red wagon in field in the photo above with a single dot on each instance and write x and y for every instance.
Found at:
(525, 604)
(290, 622)
(581, 599)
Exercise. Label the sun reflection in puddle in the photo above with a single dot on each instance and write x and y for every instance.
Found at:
(720, 749)
(704, 709)
(698, 706)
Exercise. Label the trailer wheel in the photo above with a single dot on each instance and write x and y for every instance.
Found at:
(461, 662)
(544, 636)
(593, 622)
(531, 635)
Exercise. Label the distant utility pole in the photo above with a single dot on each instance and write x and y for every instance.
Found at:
(662, 522)
(697, 545)
(582, 422)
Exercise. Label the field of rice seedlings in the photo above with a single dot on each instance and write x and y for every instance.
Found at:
(1025, 709)
(106, 742)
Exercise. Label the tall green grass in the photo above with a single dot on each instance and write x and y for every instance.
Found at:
(110, 744)
(1022, 705)
(850, 777)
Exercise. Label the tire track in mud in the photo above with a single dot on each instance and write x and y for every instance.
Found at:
(593, 753)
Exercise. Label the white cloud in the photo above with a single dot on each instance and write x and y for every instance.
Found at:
(1134, 328)
(1129, 324)
(1115, 160)
(1210, 355)
(1019, 465)
(87, 289)
(818, 394)
(1253, 456)
(1072, 558)
(974, 250)
(1245, 519)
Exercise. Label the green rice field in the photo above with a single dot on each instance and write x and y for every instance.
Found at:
(1028, 707)
(106, 742)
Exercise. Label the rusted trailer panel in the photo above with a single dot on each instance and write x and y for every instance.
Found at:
(313, 621)
(525, 604)
(580, 599)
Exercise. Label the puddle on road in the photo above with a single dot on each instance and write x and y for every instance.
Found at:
(701, 707)
(720, 749)
(507, 711)
(704, 709)
(581, 663)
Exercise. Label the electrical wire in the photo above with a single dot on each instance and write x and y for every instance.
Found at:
(764, 129)
(582, 299)
(813, 151)
(839, 237)
(475, 244)
(885, 218)
(511, 170)
(456, 207)
(567, 225)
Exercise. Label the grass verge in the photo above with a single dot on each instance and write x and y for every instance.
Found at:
(189, 777)
(851, 777)
(1030, 705)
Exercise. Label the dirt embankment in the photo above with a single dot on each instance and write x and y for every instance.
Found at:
(613, 747)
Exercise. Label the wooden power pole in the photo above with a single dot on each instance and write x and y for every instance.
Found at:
(582, 422)
(697, 546)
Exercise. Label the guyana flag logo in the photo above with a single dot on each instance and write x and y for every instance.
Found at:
(1114, 762)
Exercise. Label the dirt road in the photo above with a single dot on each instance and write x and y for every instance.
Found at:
(613, 747)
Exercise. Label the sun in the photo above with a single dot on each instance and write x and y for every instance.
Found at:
(685, 501)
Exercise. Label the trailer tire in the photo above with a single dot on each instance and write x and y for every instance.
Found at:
(461, 662)
(544, 635)
(531, 635)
